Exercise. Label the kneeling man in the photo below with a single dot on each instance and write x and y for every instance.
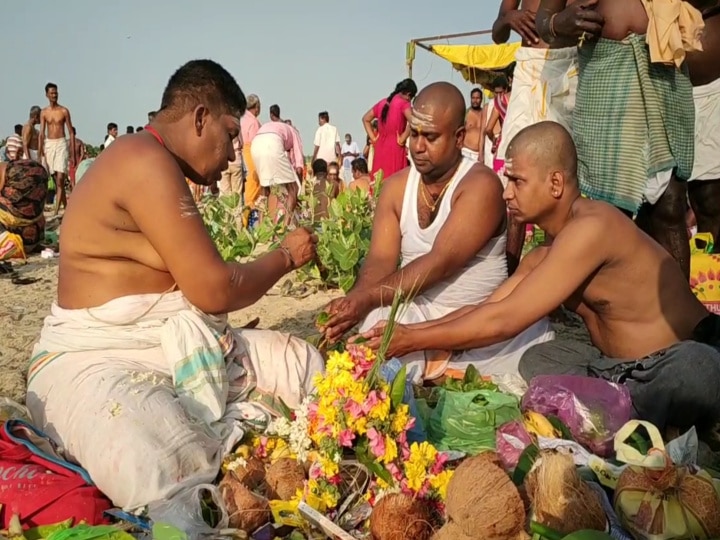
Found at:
(444, 219)
(648, 329)
(137, 375)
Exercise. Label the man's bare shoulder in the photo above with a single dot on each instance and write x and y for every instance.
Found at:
(480, 178)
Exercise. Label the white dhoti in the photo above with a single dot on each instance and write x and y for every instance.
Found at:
(707, 132)
(271, 160)
(471, 154)
(146, 393)
(33, 155)
(57, 155)
(544, 88)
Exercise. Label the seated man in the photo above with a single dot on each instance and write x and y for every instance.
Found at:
(336, 183)
(444, 219)
(648, 329)
(361, 175)
(137, 375)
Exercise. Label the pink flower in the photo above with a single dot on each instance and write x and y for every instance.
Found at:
(373, 398)
(377, 443)
(410, 424)
(315, 472)
(424, 490)
(394, 471)
(439, 465)
(312, 410)
(353, 408)
(335, 480)
(346, 438)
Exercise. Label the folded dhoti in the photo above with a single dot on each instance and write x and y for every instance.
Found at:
(271, 160)
(544, 87)
(57, 155)
(633, 125)
(707, 132)
(471, 154)
(145, 392)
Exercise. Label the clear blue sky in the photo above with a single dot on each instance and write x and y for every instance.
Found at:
(111, 59)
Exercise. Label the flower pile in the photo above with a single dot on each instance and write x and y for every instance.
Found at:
(355, 413)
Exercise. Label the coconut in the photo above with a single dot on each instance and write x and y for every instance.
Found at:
(284, 478)
(247, 511)
(452, 531)
(560, 499)
(398, 516)
(483, 501)
(251, 474)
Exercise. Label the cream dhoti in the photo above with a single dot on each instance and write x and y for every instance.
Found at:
(470, 286)
(707, 132)
(544, 86)
(147, 393)
(271, 159)
(57, 155)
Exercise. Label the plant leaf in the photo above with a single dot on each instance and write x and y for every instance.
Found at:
(525, 463)
(397, 390)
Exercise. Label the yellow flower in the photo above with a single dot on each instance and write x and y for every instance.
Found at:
(381, 411)
(360, 426)
(329, 468)
(424, 453)
(338, 362)
(329, 499)
(382, 484)
(391, 451)
(415, 476)
(440, 483)
(400, 419)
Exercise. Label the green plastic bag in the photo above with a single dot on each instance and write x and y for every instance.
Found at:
(467, 421)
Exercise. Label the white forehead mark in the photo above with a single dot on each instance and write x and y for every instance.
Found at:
(187, 206)
(421, 121)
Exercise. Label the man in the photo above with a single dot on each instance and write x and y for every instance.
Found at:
(631, 294)
(30, 136)
(138, 129)
(350, 152)
(633, 122)
(129, 130)
(131, 341)
(151, 116)
(231, 180)
(444, 218)
(14, 144)
(320, 189)
(112, 134)
(249, 126)
(474, 147)
(278, 158)
(336, 183)
(361, 175)
(327, 140)
(79, 153)
(704, 189)
(55, 124)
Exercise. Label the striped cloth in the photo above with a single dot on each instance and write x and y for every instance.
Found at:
(632, 120)
(14, 147)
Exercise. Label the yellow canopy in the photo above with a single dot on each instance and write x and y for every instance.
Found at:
(477, 62)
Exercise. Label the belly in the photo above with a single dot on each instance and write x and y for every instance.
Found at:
(622, 18)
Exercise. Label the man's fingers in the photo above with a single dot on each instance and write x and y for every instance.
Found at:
(585, 4)
(591, 16)
(590, 27)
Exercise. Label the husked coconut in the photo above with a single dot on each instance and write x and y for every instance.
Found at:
(398, 516)
(247, 510)
(252, 474)
(284, 478)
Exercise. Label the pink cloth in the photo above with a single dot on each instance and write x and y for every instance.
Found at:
(290, 138)
(249, 126)
(390, 157)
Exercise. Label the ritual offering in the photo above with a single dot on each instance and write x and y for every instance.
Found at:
(398, 516)
(246, 510)
(284, 479)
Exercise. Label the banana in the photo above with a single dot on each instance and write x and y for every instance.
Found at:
(539, 426)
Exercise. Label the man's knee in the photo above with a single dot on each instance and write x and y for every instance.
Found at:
(556, 357)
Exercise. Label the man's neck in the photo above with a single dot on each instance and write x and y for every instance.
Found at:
(54, 105)
(556, 222)
(444, 177)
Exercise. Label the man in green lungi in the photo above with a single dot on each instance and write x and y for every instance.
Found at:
(634, 117)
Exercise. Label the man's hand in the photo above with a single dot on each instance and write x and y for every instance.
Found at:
(301, 246)
(344, 314)
(578, 19)
(400, 342)
(523, 22)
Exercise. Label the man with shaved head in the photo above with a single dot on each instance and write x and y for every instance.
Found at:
(444, 220)
(647, 328)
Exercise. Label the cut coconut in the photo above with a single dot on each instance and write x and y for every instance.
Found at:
(560, 499)
(483, 501)
(247, 511)
(252, 473)
(284, 478)
(398, 516)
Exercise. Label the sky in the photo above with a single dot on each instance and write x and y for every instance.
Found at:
(111, 60)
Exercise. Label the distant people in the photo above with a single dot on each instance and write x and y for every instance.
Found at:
(112, 134)
(79, 153)
(30, 135)
(151, 116)
(13, 145)
(392, 115)
(335, 183)
(138, 129)
(503, 92)
(55, 125)
(23, 190)
(349, 152)
(327, 140)
(475, 120)
(320, 191)
(249, 126)
(231, 178)
(361, 176)
(129, 130)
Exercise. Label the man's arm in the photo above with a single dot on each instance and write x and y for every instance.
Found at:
(501, 26)
(26, 139)
(41, 136)
(297, 153)
(466, 231)
(72, 136)
(481, 138)
(490, 128)
(174, 227)
(576, 253)
(555, 19)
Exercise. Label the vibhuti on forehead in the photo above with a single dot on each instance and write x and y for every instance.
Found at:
(420, 120)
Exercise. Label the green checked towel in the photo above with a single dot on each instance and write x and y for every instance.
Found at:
(632, 120)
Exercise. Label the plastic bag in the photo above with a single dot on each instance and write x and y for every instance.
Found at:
(389, 371)
(511, 441)
(593, 409)
(467, 421)
(184, 510)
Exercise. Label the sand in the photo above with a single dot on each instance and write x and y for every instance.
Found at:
(290, 307)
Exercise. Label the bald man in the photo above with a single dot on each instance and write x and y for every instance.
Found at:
(444, 219)
(648, 329)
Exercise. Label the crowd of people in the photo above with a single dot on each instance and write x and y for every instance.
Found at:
(581, 140)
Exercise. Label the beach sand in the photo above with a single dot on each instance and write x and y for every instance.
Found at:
(289, 307)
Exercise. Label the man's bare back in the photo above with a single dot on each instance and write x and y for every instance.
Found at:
(638, 301)
(32, 135)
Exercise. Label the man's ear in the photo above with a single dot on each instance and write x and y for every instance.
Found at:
(460, 136)
(557, 184)
(200, 116)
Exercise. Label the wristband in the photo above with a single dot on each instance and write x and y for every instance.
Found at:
(287, 253)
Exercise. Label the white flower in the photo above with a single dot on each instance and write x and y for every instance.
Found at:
(236, 463)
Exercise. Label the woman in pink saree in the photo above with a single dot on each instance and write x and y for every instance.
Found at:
(392, 115)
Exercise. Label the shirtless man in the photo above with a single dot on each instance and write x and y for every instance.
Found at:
(704, 187)
(630, 293)
(635, 146)
(361, 175)
(131, 342)
(474, 145)
(30, 136)
(53, 144)
(444, 219)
